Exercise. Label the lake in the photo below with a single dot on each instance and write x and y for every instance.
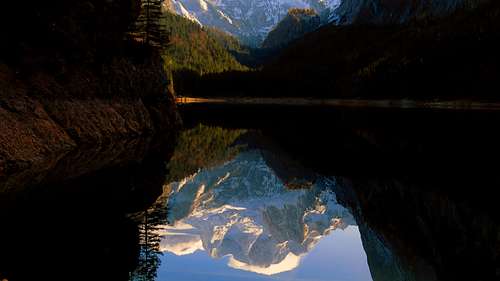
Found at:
(266, 192)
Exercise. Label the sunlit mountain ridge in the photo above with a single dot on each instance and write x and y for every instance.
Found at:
(252, 20)
(248, 20)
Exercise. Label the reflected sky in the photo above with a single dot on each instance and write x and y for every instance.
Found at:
(338, 256)
(240, 221)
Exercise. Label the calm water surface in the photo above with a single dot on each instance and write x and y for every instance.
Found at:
(338, 256)
(240, 221)
(290, 193)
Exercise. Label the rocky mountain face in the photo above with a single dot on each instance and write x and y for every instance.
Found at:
(297, 23)
(249, 20)
(252, 20)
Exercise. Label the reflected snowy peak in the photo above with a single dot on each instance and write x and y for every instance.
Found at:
(243, 210)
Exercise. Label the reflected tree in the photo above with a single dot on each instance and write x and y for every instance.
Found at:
(150, 223)
(203, 147)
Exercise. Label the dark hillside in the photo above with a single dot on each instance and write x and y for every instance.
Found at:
(454, 57)
(296, 24)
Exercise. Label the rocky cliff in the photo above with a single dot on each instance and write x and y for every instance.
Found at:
(37, 131)
(70, 77)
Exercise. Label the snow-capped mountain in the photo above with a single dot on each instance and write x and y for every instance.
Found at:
(243, 210)
(249, 20)
(252, 20)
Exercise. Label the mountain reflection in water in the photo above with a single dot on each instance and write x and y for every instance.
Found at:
(241, 210)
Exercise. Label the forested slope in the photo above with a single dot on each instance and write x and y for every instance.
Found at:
(452, 57)
(191, 47)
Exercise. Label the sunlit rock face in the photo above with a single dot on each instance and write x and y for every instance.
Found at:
(243, 210)
(249, 20)
(252, 20)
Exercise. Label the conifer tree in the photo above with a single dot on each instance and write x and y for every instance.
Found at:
(149, 27)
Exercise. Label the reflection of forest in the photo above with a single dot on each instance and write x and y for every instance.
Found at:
(202, 146)
(209, 146)
(148, 261)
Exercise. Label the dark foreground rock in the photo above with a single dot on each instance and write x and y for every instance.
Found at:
(77, 85)
(36, 132)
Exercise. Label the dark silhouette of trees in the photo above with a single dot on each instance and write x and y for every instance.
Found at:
(149, 27)
(150, 223)
(149, 253)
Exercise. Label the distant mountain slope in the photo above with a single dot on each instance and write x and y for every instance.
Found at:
(197, 49)
(297, 23)
(395, 11)
(249, 20)
(452, 57)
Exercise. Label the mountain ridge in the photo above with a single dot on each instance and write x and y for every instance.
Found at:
(248, 20)
(453, 57)
(297, 23)
(252, 20)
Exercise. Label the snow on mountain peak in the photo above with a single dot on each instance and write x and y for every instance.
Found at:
(249, 20)
(252, 20)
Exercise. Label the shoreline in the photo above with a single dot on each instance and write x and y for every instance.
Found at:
(452, 105)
